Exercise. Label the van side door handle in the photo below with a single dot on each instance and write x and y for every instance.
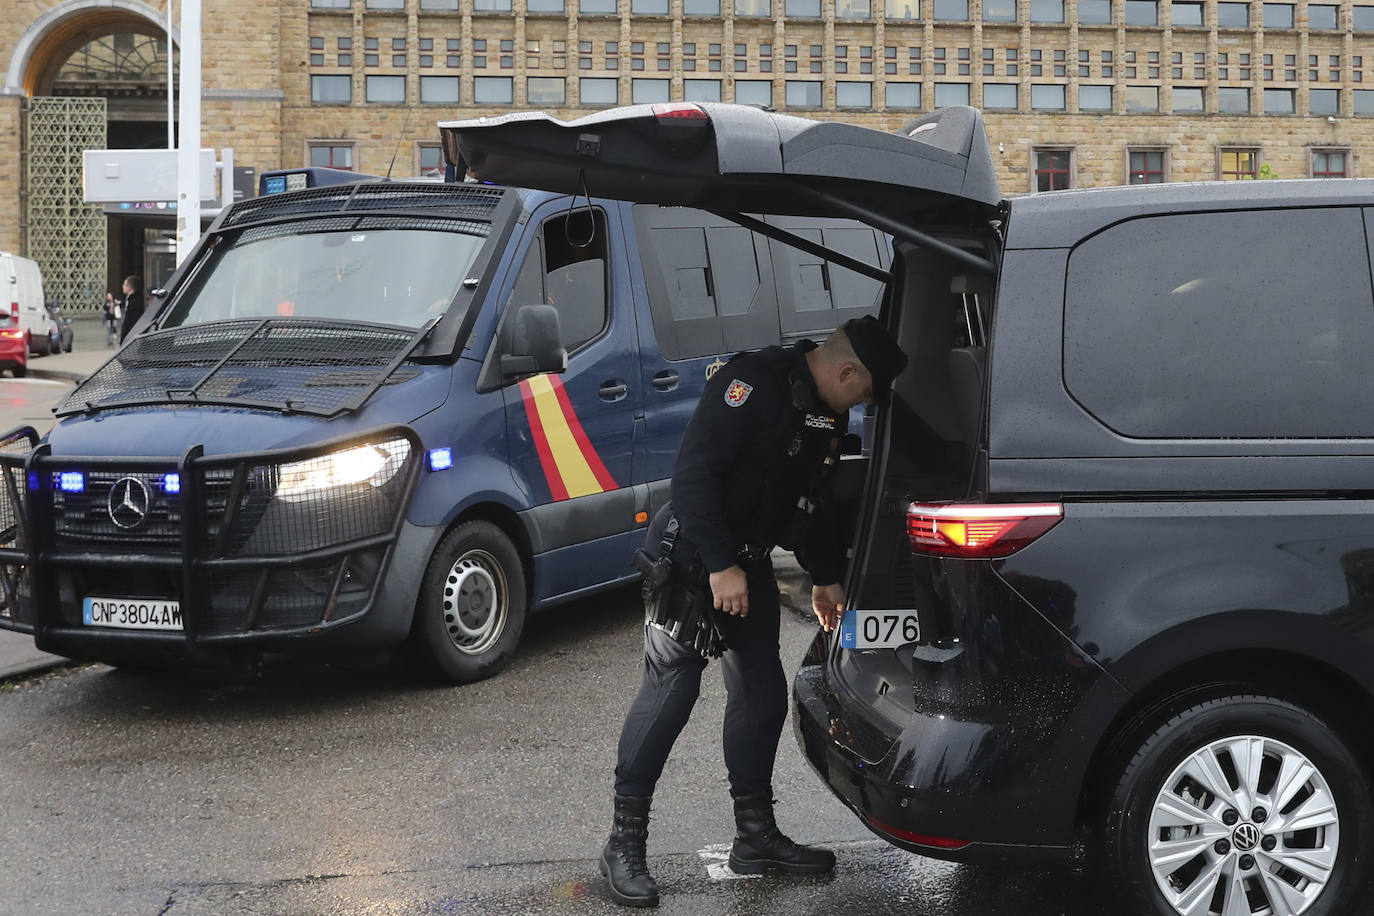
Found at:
(665, 380)
(612, 390)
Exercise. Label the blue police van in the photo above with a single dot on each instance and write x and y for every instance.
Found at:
(370, 413)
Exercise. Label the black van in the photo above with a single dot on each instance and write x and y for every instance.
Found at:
(1113, 547)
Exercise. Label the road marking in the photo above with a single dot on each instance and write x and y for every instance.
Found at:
(717, 860)
(34, 381)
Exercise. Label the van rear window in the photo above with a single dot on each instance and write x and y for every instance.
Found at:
(1255, 324)
(381, 274)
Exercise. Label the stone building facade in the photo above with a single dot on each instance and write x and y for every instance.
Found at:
(1076, 92)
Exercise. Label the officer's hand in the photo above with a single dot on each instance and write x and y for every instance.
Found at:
(730, 589)
(827, 603)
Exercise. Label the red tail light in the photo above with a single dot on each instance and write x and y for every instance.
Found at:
(14, 310)
(975, 531)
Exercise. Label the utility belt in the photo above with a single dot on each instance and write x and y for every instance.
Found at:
(677, 597)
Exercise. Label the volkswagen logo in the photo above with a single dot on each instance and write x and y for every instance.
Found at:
(128, 502)
(1246, 837)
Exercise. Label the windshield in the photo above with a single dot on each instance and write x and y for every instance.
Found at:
(385, 276)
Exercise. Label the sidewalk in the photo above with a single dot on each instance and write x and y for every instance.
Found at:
(17, 653)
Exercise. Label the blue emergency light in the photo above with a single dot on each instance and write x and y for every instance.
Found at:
(279, 181)
(71, 481)
(440, 459)
(171, 483)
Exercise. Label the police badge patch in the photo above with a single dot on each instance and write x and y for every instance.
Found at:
(737, 393)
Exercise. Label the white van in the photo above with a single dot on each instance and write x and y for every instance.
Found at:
(21, 296)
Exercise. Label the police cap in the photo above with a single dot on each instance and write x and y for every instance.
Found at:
(879, 353)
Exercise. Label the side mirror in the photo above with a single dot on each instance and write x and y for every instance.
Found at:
(536, 343)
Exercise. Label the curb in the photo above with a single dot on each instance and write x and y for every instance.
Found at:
(60, 375)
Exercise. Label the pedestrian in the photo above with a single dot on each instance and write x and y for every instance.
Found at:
(109, 318)
(132, 306)
(750, 475)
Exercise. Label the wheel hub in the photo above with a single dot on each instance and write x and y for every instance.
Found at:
(1245, 837)
(474, 602)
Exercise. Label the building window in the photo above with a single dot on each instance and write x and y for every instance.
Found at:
(329, 4)
(803, 94)
(1321, 16)
(1046, 11)
(1278, 15)
(438, 5)
(649, 90)
(701, 90)
(331, 90)
(1142, 12)
(546, 90)
(1145, 166)
(493, 90)
(1047, 97)
(1363, 18)
(1237, 164)
(386, 88)
(386, 4)
(1232, 100)
(1188, 14)
(439, 90)
(1000, 96)
(330, 155)
(701, 7)
(598, 90)
(1324, 101)
(754, 92)
(809, 9)
(951, 10)
(903, 9)
(429, 160)
(853, 9)
(1188, 99)
(1279, 101)
(1094, 12)
(597, 7)
(1330, 163)
(753, 8)
(1053, 169)
(947, 94)
(1233, 15)
(1142, 99)
(903, 95)
(999, 10)
(1094, 98)
(853, 95)
(492, 6)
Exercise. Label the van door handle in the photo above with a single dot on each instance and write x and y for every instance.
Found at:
(666, 380)
(612, 390)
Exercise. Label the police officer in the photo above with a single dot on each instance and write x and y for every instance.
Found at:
(749, 476)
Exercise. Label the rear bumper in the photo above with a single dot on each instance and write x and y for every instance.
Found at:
(958, 789)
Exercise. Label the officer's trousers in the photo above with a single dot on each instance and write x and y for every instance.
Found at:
(755, 705)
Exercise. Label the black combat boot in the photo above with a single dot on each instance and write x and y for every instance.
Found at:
(623, 861)
(760, 846)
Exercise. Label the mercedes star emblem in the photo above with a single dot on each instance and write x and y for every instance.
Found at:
(128, 502)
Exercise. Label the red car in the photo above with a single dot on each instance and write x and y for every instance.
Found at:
(14, 347)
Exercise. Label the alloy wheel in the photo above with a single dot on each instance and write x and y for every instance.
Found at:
(1245, 826)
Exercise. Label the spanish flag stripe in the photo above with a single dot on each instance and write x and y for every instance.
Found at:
(541, 444)
(594, 462)
(566, 450)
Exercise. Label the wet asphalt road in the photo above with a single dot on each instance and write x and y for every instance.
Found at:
(364, 790)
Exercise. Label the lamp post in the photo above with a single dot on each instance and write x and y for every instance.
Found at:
(188, 152)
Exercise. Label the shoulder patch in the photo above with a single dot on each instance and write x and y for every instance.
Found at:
(737, 393)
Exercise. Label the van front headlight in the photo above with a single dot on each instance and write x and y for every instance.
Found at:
(372, 465)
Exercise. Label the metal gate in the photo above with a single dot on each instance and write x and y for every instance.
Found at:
(63, 233)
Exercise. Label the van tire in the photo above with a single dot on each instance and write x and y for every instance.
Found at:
(40, 346)
(20, 371)
(475, 562)
(1287, 735)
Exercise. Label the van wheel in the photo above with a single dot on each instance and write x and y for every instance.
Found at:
(1240, 804)
(471, 609)
(40, 346)
(20, 371)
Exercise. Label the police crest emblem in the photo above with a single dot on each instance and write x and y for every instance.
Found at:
(737, 393)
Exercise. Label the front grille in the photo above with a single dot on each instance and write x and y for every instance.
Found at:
(84, 519)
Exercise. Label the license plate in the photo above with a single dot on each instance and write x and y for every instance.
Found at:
(132, 613)
(879, 629)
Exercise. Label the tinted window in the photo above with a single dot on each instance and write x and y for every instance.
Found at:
(565, 267)
(1264, 331)
(1321, 17)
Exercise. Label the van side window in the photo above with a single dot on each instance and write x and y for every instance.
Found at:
(566, 267)
(1246, 324)
(815, 295)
